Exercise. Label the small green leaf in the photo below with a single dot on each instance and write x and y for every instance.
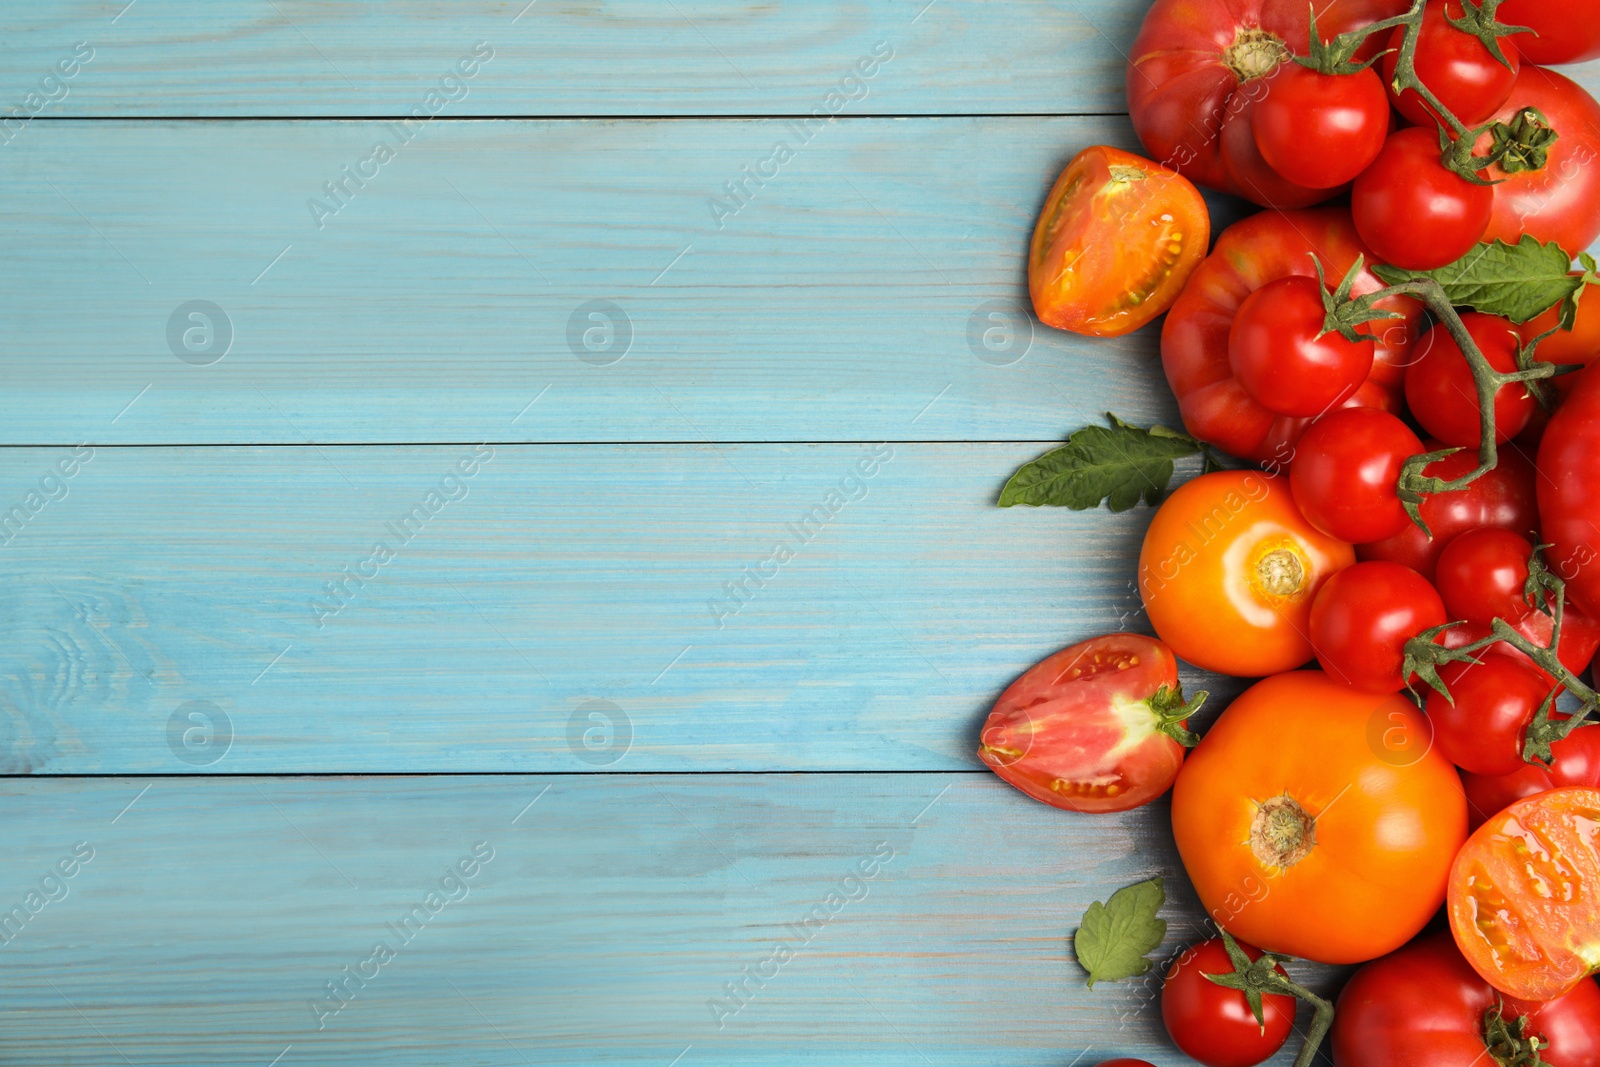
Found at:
(1120, 464)
(1518, 282)
(1116, 936)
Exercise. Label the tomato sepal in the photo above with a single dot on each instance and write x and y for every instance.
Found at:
(1509, 1043)
(1253, 978)
(1172, 713)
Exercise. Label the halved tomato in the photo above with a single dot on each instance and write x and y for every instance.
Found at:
(1525, 895)
(1116, 241)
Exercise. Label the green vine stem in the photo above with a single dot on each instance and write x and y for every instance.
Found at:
(1256, 977)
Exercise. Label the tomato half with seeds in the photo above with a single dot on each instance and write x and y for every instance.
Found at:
(1118, 237)
(1228, 572)
(1317, 821)
(1093, 727)
(1525, 895)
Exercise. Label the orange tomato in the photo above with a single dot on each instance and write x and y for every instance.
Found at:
(1579, 345)
(1318, 821)
(1525, 895)
(1228, 572)
(1118, 237)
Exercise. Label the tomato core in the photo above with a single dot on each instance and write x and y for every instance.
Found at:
(1282, 833)
(1280, 572)
(1254, 53)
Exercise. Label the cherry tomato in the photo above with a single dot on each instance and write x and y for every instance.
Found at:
(1346, 470)
(1504, 497)
(1282, 357)
(1481, 729)
(1315, 820)
(1414, 213)
(1118, 237)
(1577, 346)
(1424, 1006)
(1456, 68)
(1525, 895)
(1362, 619)
(1580, 636)
(1442, 395)
(1228, 572)
(1482, 574)
(1569, 491)
(1320, 129)
(1575, 760)
(1213, 1024)
(1089, 729)
(1194, 340)
(1559, 202)
(1565, 31)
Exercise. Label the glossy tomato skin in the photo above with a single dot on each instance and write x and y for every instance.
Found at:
(1505, 497)
(1118, 237)
(1213, 1025)
(1424, 1006)
(1320, 129)
(1362, 618)
(1273, 857)
(1569, 491)
(1524, 899)
(1456, 67)
(1561, 201)
(1228, 572)
(1195, 338)
(1413, 212)
(1483, 574)
(1575, 761)
(1580, 636)
(1282, 357)
(1441, 393)
(1578, 346)
(1198, 69)
(1481, 729)
(1077, 730)
(1565, 31)
(1346, 472)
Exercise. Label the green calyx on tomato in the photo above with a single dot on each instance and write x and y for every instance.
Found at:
(1509, 1043)
(1260, 976)
(1523, 144)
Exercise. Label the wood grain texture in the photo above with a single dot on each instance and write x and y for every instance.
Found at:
(563, 575)
(214, 911)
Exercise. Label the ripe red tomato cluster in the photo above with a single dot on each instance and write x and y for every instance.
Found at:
(1420, 605)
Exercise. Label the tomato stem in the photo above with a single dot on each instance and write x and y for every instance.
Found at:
(1255, 977)
(1509, 1043)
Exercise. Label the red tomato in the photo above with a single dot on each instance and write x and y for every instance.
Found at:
(1560, 202)
(1481, 729)
(1282, 357)
(1197, 70)
(1441, 393)
(1362, 618)
(1524, 896)
(1580, 637)
(1565, 31)
(1579, 345)
(1345, 474)
(1456, 67)
(1569, 490)
(1214, 1024)
(1089, 729)
(1482, 574)
(1424, 1006)
(1413, 212)
(1504, 497)
(1321, 129)
(1575, 761)
(1194, 342)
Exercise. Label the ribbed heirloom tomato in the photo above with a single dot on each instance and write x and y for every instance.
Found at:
(1228, 572)
(1316, 821)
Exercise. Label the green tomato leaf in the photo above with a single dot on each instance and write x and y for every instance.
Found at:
(1119, 464)
(1518, 282)
(1116, 936)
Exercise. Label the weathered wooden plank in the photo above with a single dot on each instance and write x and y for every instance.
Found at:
(612, 914)
(648, 578)
(542, 281)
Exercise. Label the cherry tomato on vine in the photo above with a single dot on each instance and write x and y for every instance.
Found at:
(1560, 200)
(1565, 31)
(1213, 1024)
(1580, 637)
(1481, 729)
(1575, 760)
(1579, 345)
(1118, 237)
(1569, 491)
(1412, 211)
(1282, 357)
(1362, 618)
(1443, 396)
(1346, 470)
(1482, 574)
(1456, 68)
(1229, 569)
(1320, 129)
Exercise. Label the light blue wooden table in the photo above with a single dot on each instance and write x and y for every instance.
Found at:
(580, 346)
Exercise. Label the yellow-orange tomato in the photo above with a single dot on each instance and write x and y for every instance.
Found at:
(1229, 570)
(1118, 237)
(1318, 821)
